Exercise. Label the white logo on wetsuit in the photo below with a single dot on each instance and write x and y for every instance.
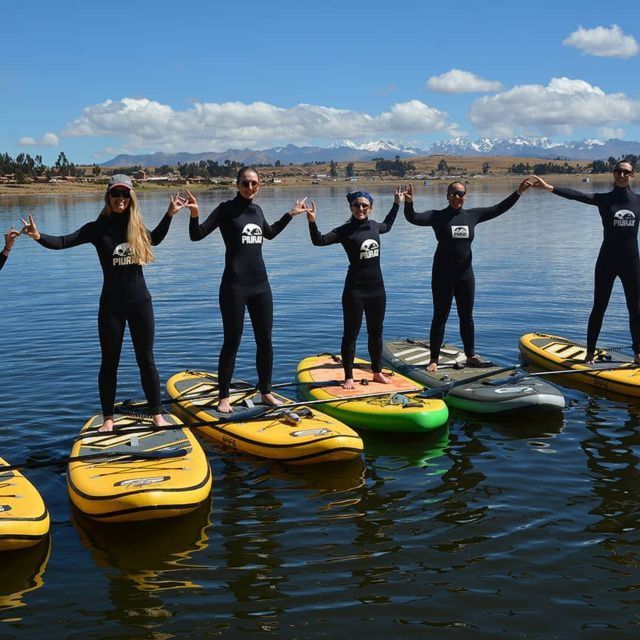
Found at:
(624, 218)
(369, 249)
(460, 231)
(122, 255)
(251, 234)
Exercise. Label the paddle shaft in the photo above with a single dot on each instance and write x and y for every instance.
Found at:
(244, 391)
(623, 367)
(144, 455)
(525, 374)
(270, 411)
(257, 413)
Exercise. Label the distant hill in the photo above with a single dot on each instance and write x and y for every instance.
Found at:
(347, 151)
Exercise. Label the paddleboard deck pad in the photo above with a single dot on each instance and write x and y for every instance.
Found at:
(296, 436)
(615, 371)
(493, 394)
(24, 519)
(398, 409)
(146, 473)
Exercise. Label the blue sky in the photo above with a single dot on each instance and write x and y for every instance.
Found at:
(95, 79)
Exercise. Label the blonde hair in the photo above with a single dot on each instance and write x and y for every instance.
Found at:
(137, 234)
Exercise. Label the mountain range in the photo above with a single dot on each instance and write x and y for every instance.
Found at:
(346, 150)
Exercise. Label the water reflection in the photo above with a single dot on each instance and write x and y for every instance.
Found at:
(613, 462)
(251, 521)
(21, 572)
(408, 450)
(145, 561)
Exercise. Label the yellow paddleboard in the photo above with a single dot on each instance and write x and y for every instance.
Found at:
(299, 436)
(615, 371)
(173, 478)
(24, 519)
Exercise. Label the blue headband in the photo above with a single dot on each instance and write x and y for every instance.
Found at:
(352, 197)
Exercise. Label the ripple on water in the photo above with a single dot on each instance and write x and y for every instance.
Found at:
(496, 528)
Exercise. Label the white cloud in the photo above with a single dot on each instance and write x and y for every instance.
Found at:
(604, 42)
(611, 132)
(459, 81)
(562, 106)
(144, 124)
(47, 140)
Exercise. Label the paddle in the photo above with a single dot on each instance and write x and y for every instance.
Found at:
(516, 377)
(271, 412)
(433, 392)
(258, 413)
(245, 390)
(143, 455)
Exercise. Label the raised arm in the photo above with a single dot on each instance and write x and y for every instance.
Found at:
(569, 194)
(488, 213)
(199, 231)
(83, 235)
(421, 219)
(270, 231)
(318, 239)
(159, 233)
(390, 218)
(9, 241)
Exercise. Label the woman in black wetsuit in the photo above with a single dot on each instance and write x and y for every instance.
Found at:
(9, 241)
(363, 288)
(452, 274)
(244, 282)
(123, 245)
(618, 257)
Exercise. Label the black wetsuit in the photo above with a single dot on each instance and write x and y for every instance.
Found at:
(452, 273)
(244, 283)
(3, 259)
(363, 288)
(124, 299)
(618, 257)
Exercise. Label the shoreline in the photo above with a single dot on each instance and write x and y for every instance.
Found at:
(294, 182)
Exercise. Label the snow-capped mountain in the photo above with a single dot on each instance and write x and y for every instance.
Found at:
(494, 146)
(348, 151)
(376, 146)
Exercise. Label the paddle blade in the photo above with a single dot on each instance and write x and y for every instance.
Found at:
(254, 413)
(512, 379)
(438, 392)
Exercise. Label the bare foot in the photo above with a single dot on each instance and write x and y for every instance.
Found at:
(348, 384)
(380, 377)
(107, 425)
(159, 421)
(269, 398)
(432, 367)
(224, 406)
(588, 359)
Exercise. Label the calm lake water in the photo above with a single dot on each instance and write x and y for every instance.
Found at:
(485, 529)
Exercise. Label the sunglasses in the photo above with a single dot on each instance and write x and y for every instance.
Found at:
(360, 205)
(623, 172)
(456, 194)
(119, 193)
(249, 183)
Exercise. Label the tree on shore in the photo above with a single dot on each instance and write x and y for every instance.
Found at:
(395, 167)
